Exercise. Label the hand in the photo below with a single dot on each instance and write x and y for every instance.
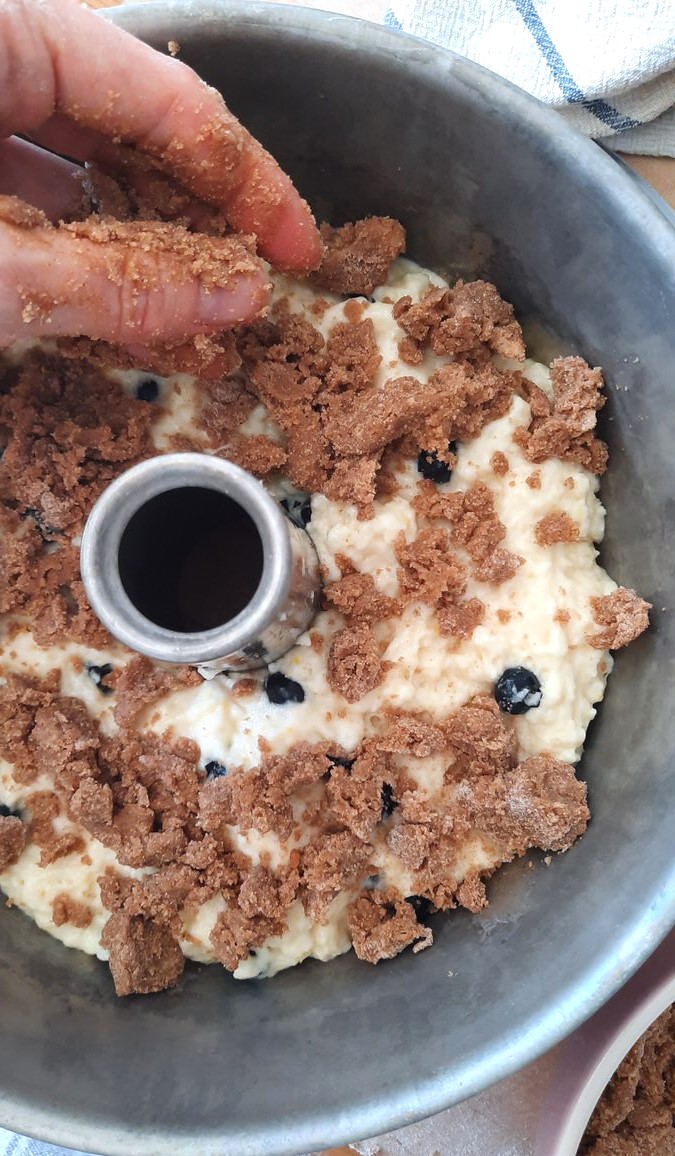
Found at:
(77, 85)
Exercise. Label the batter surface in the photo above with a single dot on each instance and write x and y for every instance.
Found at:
(425, 729)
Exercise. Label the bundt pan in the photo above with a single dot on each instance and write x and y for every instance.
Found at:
(490, 183)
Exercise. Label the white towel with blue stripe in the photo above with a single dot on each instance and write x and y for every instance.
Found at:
(608, 66)
(13, 1145)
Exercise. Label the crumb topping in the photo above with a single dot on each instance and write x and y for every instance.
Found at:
(556, 527)
(65, 909)
(356, 596)
(540, 804)
(140, 683)
(13, 836)
(256, 453)
(143, 955)
(462, 320)
(44, 807)
(352, 356)
(458, 620)
(235, 935)
(409, 734)
(146, 798)
(636, 1113)
(357, 256)
(623, 616)
(499, 464)
(382, 924)
(337, 425)
(481, 740)
(67, 432)
(332, 862)
(476, 527)
(354, 664)
(564, 427)
(354, 791)
(428, 570)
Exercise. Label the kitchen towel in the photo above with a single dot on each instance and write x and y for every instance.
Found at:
(608, 66)
(13, 1145)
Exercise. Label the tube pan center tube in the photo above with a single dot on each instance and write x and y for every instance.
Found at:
(187, 558)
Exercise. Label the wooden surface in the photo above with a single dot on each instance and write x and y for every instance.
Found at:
(658, 171)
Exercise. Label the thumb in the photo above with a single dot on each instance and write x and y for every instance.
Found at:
(124, 282)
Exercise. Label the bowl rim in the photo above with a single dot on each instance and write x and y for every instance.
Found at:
(589, 989)
(590, 1057)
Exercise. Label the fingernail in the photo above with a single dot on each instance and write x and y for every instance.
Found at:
(239, 302)
(295, 243)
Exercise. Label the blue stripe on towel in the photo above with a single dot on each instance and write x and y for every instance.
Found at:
(392, 21)
(604, 112)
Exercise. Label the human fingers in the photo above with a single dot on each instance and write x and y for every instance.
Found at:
(126, 283)
(71, 62)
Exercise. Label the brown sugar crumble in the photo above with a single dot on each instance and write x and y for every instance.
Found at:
(139, 684)
(556, 527)
(475, 526)
(68, 910)
(354, 664)
(499, 464)
(462, 320)
(357, 597)
(337, 425)
(381, 925)
(357, 256)
(13, 838)
(623, 616)
(144, 957)
(636, 1113)
(564, 427)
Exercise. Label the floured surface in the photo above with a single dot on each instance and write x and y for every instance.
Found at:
(437, 796)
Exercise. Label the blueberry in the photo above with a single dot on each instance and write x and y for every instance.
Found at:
(299, 509)
(255, 649)
(147, 389)
(46, 532)
(280, 689)
(339, 761)
(518, 690)
(422, 907)
(214, 769)
(98, 673)
(389, 803)
(7, 812)
(432, 468)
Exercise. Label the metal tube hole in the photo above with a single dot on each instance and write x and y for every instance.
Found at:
(190, 559)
